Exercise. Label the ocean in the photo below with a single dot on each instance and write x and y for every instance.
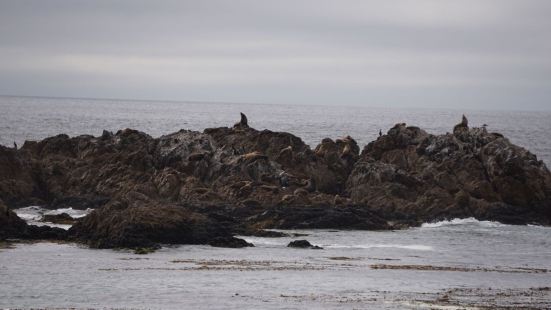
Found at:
(457, 264)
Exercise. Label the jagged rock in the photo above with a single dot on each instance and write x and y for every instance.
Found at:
(134, 223)
(62, 218)
(468, 173)
(11, 226)
(303, 244)
(193, 187)
(229, 242)
(292, 216)
(18, 185)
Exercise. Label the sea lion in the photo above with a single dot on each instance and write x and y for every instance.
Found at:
(464, 125)
(286, 154)
(252, 156)
(243, 123)
(310, 185)
(346, 151)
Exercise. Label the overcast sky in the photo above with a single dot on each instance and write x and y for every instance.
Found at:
(451, 54)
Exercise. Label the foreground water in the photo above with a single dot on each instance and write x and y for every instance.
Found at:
(457, 264)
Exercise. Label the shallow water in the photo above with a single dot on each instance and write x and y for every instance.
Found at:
(477, 264)
(32, 118)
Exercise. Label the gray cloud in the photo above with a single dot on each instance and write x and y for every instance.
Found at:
(452, 54)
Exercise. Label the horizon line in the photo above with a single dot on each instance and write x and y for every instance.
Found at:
(276, 104)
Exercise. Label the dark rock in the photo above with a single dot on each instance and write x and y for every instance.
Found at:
(263, 233)
(318, 216)
(229, 242)
(194, 187)
(44, 233)
(471, 173)
(144, 251)
(303, 244)
(136, 223)
(62, 218)
(11, 226)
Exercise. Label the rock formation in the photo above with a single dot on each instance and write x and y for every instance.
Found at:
(303, 244)
(13, 227)
(203, 187)
(411, 174)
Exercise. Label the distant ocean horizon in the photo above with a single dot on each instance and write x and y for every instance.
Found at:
(35, 118)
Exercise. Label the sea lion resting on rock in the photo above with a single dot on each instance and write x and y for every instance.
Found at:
(286, 154)
(464, 125)
(243, 123)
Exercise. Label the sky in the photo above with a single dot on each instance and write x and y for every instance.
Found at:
(477, 54)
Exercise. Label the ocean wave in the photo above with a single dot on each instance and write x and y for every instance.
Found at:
(74, 213)
(33, 215)
(265, 241)
(464, 221)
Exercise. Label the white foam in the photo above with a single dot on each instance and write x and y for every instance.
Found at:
(265, 241)
(34, 214)
(72, 212)
(464, 221)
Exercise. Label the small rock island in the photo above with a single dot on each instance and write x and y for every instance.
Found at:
(205, 187)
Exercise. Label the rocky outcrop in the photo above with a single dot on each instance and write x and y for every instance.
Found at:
(202, 187)
(62, 218)
(229, 242)
(470, 173)
(303, 244)
(144, 223)
(13, 227)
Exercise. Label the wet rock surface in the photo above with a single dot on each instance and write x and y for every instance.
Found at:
(203, 187)
(470, 173)
(230, 242)
(303, 244)
(13, 227)
(62, 218)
